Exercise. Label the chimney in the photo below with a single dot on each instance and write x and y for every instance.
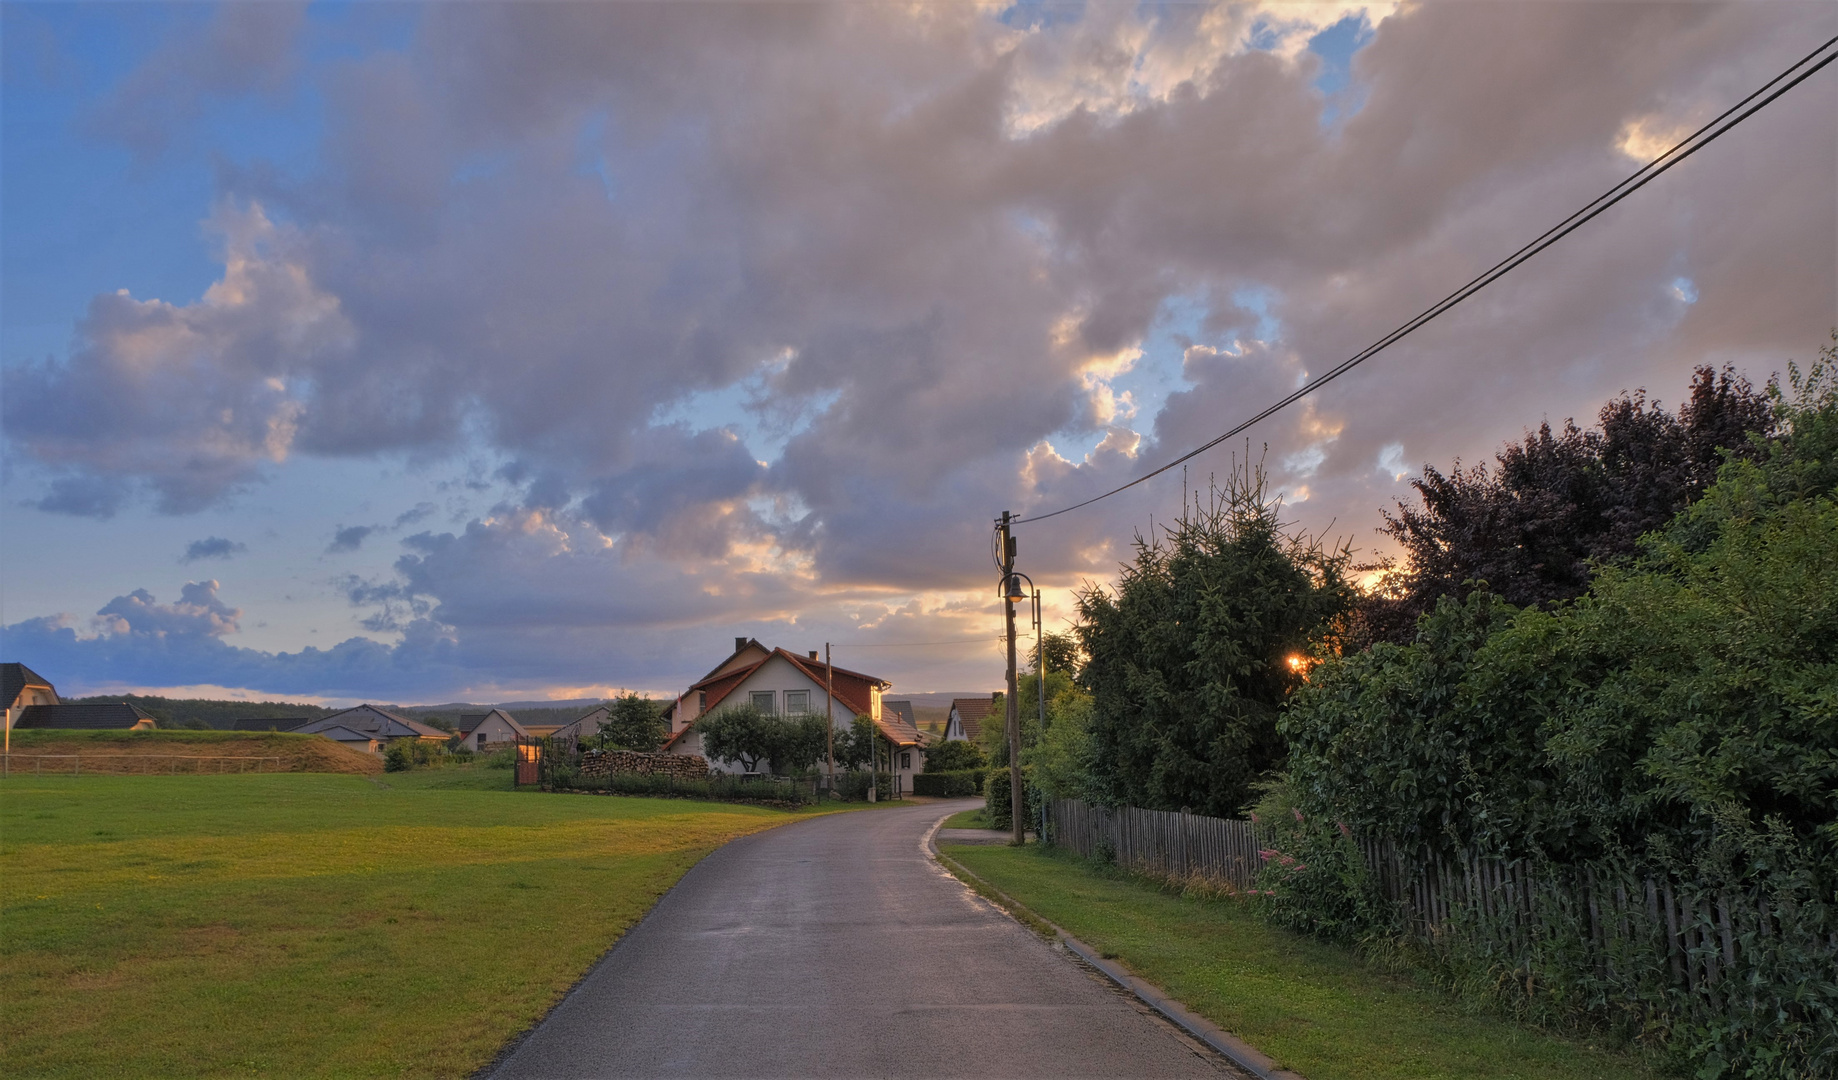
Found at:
(813, 654)
(740, 643)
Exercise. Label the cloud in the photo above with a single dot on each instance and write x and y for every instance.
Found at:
(349, 538)
(764, 312)
(214, 547)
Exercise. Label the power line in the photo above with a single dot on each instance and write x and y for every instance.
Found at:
(916, 644)
(1696, 141)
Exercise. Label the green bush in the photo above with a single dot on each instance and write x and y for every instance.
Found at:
(949, 785)
(955, 755)
(997, 802)
(501, 759)
(399, 756)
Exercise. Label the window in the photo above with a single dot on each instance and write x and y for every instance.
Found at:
(701, 701)
(766, 700)
(906, 760)
(797, 702)
(481, 738)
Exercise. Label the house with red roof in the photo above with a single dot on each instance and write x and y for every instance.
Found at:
(787, 683)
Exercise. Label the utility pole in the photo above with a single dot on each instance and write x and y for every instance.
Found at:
(829, 713)
(1014, 714)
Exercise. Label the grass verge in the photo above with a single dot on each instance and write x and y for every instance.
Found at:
(145, 752)
(314, 925)
(1313, 1008)
(967, 819)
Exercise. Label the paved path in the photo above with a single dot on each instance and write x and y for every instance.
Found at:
(836, 947)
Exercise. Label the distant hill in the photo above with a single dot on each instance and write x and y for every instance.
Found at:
(205, 713)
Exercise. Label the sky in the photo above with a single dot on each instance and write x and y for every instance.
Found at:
(365, 351)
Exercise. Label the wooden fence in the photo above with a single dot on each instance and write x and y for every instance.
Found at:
(132, 764)
(1181, 847)
(1625, 927)
(1627, 934)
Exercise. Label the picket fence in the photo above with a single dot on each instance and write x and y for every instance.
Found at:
(1612, 933)
(1160, 843)
(1630, 929)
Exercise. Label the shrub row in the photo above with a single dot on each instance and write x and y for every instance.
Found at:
(997, 801)
(949, 785)
(719, 788)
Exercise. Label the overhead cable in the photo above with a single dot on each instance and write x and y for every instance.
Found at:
(1696, 141)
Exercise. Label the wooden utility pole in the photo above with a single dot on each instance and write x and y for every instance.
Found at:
(1014, 715)
(829, 712)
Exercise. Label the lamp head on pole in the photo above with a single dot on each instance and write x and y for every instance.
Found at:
(1012, 590)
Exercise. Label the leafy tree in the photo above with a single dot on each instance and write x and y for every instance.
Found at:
(742, 733)
(801, 743)
(1560, 502)
(1062, 654)
(1188, 656)
(633, 723)
(954, 756)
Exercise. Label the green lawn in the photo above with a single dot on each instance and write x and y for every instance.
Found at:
(313, 925)
(967, 819)
(1315, 1009)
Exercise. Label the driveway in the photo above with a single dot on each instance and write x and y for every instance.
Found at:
(837, 947)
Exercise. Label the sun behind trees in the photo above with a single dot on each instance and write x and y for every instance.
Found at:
(1187, 656)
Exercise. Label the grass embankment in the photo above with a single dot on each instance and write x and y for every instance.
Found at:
(309, 925)
(1313, 1008)
(967, 819)
(140, 752)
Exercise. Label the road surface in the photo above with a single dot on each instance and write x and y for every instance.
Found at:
(836, 947)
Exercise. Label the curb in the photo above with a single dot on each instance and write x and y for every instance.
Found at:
(1229, 1046)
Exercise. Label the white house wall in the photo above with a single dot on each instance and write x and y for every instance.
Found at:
(777, 675)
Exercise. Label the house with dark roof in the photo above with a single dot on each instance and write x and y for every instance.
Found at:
(487, 731)
(376, 723)
(965, 721)
(21, 688)
(583, 727)
(32, 702)
(788, 684)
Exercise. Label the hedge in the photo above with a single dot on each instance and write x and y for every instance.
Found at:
(948, 785)
(996, 798)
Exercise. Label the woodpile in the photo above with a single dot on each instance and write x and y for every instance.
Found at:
(607, 762)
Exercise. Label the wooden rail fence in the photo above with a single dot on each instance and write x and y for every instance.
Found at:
(1181, 847)
(132, 764)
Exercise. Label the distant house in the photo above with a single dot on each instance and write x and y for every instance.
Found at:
(583, 727)
(21, 688)
(965, 721)
(487, 731)
(32, 702)
(356, 740)
(380, 725)
(787, 683)
(99, 716)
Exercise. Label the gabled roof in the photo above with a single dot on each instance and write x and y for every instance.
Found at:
(470, 722)
(573, 729)
(381, 723)
(898, 731)
(970, 713)
(852, 689)
(110, 715)
(341, 733)
(14, 678)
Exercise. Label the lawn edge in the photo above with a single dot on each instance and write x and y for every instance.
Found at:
(1234, 1049)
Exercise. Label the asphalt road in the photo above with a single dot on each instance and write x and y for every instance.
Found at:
(837, 947)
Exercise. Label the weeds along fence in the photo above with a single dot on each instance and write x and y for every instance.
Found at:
(1187, 848)
(1613, 941)
(132, 764)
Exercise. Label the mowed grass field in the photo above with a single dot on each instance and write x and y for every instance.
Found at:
(1318, 1010)
(313, 925)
